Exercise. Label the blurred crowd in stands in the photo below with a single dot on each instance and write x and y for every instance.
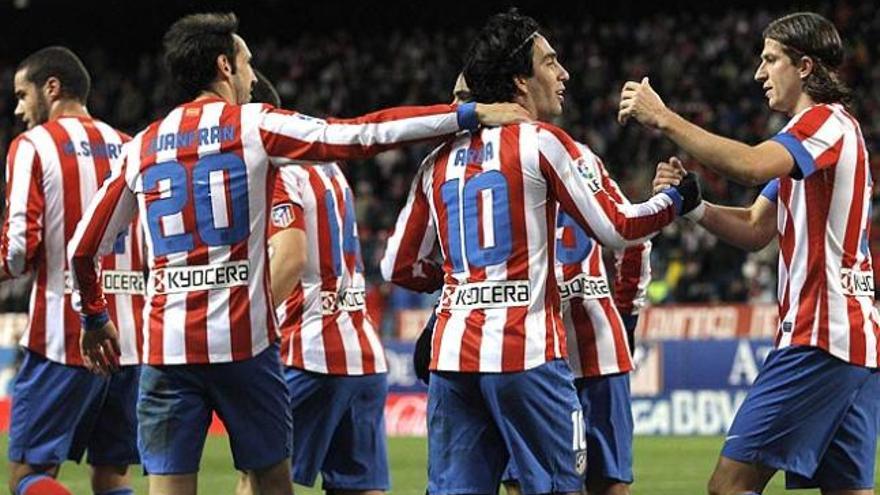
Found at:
(702, 64)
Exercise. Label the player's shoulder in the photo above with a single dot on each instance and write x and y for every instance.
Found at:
(823, 115)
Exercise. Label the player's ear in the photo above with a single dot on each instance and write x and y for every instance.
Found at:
(224, 67)
(52, 88)
(805, 67)
(521, 84)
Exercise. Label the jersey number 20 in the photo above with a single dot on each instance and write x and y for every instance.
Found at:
(213, 175)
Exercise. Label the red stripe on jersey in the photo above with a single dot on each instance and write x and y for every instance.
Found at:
(442, 318)
(586, 334)
(439, 177)
(514, 340)
(368, 359)
(817, 201)
(811, 122)
(629, 273)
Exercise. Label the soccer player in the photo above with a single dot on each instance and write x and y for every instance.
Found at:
(53, 171)
(599, 330)
(499, 387)
(202, 179)
(813, 408)
(334, 361)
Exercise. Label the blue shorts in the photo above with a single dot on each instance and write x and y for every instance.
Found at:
(607, 408)
(479, 421)
(55, 410)
(175, 405)
(813, 416)
(339, 430)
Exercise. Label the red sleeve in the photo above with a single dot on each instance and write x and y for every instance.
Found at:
(22, 232)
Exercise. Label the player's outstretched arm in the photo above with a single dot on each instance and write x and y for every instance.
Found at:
(407, 261)
(749, 228)
(632, 263)
(572, 179)
(752, 165)
(294, 136)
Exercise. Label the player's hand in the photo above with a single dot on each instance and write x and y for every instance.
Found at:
(494, 114)
(100, 349)
(640, 101)
(692, 197)
(669, 174)
(422, 352)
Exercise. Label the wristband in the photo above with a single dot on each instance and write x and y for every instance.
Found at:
(467, 116)
(697, 213)
(94, 322)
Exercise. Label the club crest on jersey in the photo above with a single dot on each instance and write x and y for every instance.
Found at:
(580, 462)
(283, 215)
(588, 174)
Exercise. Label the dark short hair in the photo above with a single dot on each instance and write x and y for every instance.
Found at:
(264, 92)
(61, 63)
(809, 34)
(192, 45)
(501, 51)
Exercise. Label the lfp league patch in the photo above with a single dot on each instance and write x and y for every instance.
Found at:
(283, 215)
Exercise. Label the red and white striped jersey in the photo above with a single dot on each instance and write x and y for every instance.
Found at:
(202, 181)
(490, 198)
(597, 343)
(826, 282)
(53, 172)
(324, 327)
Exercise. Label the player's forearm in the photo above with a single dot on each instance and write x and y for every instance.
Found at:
(287, 263)
(737, 226)
(733, 159)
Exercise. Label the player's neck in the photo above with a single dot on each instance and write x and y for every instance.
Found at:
(221, 91)
(804, 101)
(67, 108)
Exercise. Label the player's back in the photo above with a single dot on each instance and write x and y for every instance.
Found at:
(202, 181)
(53, 173)
(324, 324)
(493, 195)
(494, 224)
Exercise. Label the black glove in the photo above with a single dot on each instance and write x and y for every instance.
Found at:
(422, 352)
(629, 324)
(691, 196)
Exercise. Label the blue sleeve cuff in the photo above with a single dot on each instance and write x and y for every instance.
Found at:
(94, 322)
(771, 190)
(803, 160)
(467, 116)
(676, 198)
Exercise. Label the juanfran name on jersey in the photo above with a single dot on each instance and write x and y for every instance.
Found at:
(202, 180)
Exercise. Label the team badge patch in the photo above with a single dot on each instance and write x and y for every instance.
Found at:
(283, 215)
(589, 175)
(580, 463)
